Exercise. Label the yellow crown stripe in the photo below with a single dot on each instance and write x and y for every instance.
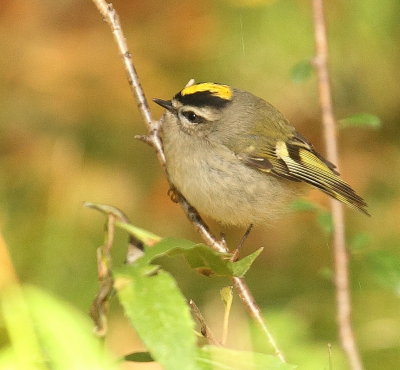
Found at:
(221, 91)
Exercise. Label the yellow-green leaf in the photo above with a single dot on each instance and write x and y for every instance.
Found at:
(361, 120)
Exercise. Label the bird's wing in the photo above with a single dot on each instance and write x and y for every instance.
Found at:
(296, 159)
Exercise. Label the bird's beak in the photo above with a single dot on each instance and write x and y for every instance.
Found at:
(167, 104)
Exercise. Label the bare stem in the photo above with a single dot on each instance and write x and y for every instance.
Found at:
(204, 328)
(254, 310)
(343, 300)
(153, 139)
(99, 308)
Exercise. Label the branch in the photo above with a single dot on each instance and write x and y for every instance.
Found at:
(343, 300)
(153, 138)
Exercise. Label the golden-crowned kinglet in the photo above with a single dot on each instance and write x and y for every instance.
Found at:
(237, 159)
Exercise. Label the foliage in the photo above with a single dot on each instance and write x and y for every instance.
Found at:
(323, 217)
(301, 71)
(165, 325)
(211, 357)
(158, 312)
(44, 332)
(361, 120)
(385, 266)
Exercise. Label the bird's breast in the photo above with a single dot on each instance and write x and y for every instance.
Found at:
(219, 184)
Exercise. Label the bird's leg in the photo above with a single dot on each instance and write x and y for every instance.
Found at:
(235, 254)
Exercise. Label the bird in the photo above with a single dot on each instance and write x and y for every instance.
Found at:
(237, 159)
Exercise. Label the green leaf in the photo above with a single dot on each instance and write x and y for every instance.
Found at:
(227, 296)
(324, 219)
(147, 237)
(8, 359)
(47, 333)
(301, 71)
(158, 311)
(227, 299)
(165, 247)
(198, 254)
(326, 273)
(386, 269)
(303, 205)
(20, 326)
(240, 268)
(219, 358)
(361, 120)
(359, 241)
(200, 257)
(139, 357)
(122, 221)
(208, 262)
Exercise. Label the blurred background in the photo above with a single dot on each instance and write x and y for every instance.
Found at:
(67, 130)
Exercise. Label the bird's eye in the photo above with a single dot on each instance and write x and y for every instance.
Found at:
(193, 117)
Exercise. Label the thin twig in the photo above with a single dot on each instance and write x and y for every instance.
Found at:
(255, 311)
(154, 139)
(99, 308)
(204, 328)
(235, 254)
(343, 300)
(135, 246)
